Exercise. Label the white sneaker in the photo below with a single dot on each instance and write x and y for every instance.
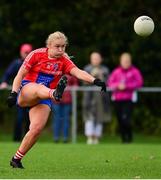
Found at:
(89, 141)
(95, 141)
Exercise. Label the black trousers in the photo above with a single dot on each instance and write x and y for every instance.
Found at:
(124, 112)
(22, 123)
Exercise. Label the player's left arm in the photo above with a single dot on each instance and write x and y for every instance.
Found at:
(83, 75)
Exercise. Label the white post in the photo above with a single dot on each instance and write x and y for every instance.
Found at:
(74, 115)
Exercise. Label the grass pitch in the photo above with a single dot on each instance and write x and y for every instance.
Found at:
(111, 160)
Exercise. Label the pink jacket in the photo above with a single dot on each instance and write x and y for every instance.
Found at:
(132, 79)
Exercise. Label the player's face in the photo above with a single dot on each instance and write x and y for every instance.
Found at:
(57, 48)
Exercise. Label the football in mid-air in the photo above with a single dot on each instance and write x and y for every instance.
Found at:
(144, 26)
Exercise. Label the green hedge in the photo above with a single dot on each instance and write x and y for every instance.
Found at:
(146, 117)
(90, 25)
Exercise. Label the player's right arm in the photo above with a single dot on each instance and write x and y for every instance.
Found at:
(18, 79)
(12, 98)
(24, 69)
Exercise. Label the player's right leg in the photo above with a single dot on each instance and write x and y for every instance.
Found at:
(60, 88)
(32, 93)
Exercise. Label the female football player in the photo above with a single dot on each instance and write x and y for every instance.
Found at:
(39, 81)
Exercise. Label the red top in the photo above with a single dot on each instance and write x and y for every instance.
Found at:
(46, 70)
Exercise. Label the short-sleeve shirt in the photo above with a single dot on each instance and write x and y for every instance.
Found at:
(45, 70)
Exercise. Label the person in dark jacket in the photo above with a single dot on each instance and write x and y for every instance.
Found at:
(11, 71)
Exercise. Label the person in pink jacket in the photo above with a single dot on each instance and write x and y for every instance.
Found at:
(123, 82)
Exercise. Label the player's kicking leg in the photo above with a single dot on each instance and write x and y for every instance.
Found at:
(57, 94)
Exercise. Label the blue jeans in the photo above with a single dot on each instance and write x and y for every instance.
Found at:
(61, 121)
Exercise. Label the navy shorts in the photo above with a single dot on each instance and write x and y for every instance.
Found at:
(43, 101)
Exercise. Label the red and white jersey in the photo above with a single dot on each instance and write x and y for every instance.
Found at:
(45, 70)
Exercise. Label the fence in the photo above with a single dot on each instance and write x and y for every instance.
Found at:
(74, 91)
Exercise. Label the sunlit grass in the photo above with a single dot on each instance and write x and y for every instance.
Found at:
(106, 160)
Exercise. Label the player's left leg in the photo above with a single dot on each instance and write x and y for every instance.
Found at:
(38, 117)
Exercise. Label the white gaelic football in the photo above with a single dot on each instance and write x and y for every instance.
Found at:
(144, 26)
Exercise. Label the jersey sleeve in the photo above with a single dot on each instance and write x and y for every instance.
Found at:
(29, 61)
(68, 65)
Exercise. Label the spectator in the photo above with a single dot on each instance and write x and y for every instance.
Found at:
(95, 104)
(10, 72)
(123, 81)
(62, 112)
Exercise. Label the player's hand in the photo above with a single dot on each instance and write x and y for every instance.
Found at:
(100, 83)
(12, 98)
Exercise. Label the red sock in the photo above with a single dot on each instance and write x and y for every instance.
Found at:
(51, 93)
(19, 155)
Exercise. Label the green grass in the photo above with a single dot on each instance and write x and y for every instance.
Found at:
(107, 160)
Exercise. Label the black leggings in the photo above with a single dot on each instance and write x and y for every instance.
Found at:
(124, 111)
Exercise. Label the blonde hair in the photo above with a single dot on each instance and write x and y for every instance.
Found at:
(56, 35)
